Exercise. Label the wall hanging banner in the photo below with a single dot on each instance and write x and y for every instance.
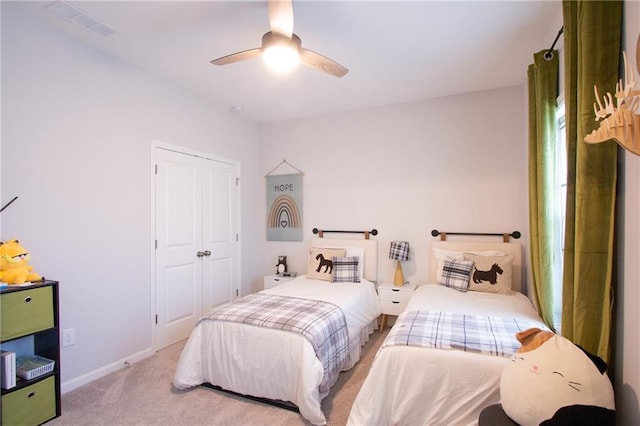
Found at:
(284, 207)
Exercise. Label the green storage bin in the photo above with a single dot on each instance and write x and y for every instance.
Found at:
(31, 405)
(26, 312)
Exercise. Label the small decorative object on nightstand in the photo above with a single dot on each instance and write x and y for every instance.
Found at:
(281, 266)
(271, 281)
(393, 299)
(399, 251)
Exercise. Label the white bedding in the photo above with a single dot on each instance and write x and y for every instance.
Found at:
(271, 363)
(419, 386)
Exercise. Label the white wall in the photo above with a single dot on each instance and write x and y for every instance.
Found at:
(456, 163)
(627, 350)
(77, 131)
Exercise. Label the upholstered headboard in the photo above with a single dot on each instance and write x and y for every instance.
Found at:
(370, 270)
(514, 249)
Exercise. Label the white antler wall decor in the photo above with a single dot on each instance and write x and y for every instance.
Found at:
(620, 122)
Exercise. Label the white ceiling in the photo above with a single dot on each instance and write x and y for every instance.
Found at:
(396, 51)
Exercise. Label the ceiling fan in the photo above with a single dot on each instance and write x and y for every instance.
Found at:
(282, 41)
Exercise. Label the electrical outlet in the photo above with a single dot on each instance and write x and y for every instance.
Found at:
(68, 337)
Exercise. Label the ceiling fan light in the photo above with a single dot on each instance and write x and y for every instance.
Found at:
(281, 58)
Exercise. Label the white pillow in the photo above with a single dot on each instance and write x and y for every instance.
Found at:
(443, 254)
(487, 253)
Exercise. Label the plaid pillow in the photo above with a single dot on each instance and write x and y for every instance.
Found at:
(345, 269)
(456, 273)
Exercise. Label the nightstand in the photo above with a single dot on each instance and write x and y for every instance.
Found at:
(271, 281)
(393, 299)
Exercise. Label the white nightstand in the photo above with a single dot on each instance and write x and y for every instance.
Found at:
(271, 281)
(393, 299)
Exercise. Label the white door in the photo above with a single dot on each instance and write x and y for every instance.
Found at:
(219, 234)
(196, 256)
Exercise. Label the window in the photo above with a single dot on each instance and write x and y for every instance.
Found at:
(560, 208)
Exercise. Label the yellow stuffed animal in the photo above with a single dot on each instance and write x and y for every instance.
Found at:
(14, 268)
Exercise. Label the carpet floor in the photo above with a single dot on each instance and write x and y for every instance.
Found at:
(142, 394)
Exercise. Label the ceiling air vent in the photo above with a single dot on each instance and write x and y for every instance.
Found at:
(79, 17)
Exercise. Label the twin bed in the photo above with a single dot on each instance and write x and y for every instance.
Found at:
(278, 363)
(430, 382)
(431, 375)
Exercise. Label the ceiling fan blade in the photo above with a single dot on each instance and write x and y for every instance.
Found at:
(281, 16)
(322, 63)
(237, 57)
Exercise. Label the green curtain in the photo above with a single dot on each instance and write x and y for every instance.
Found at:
(543, 92)
(592, 32)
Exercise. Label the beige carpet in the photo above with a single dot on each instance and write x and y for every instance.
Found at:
(143, 395)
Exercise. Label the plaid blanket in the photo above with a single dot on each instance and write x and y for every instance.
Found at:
(470, 333)
(322, 323)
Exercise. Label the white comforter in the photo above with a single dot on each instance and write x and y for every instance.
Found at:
(419, 386)
(271, 363)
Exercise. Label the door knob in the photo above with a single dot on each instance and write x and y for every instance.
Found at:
(199, 254)
(207, 253)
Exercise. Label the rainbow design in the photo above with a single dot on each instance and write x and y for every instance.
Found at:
(284, 207)
(284, 213)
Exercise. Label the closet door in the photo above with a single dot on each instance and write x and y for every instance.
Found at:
(219, 205)
(196, 255)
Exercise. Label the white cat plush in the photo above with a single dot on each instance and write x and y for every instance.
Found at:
(552, 381)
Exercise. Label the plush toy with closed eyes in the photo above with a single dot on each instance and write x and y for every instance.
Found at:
(552, 381)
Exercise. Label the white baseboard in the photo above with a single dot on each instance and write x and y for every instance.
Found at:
(73, 384)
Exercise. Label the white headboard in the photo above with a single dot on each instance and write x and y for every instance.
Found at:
(370, 269)
(513, 249)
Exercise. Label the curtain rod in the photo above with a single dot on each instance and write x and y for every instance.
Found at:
(505, 236)
(320, 232)
(549, 53)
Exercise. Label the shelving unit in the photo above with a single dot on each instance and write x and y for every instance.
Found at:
(29, 326)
